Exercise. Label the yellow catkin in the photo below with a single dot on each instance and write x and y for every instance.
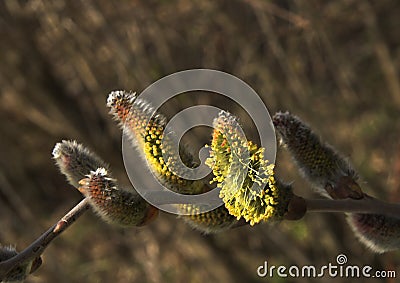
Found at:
(132, 114)
(213, 221)
(237, 164)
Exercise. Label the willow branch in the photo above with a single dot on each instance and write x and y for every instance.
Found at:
(367, 204)
(38, 246)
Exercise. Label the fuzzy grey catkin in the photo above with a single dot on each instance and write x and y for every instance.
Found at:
(89, 174)
(329, 172)
(114, 205)
(378, 232)
(332, 175)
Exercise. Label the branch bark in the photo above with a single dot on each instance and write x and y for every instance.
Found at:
(367, 204)
(37, 248)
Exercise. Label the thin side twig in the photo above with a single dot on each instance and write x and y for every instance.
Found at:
(38, 246)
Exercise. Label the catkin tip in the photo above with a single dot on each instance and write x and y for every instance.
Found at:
(116, 95)
(75, 161)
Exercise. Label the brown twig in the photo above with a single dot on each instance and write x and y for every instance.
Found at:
(368, 205)
(38, 246)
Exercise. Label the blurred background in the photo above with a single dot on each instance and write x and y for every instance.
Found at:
(335, 64)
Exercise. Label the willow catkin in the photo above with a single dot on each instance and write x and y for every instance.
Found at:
(89, 174)
(76, 161)
(378, 232)
(332, 175)
(146, 133)
(329, 173)
(115, 205)
(238, 165)
(213, 221)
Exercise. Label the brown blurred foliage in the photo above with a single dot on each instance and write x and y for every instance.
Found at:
(333, 63)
